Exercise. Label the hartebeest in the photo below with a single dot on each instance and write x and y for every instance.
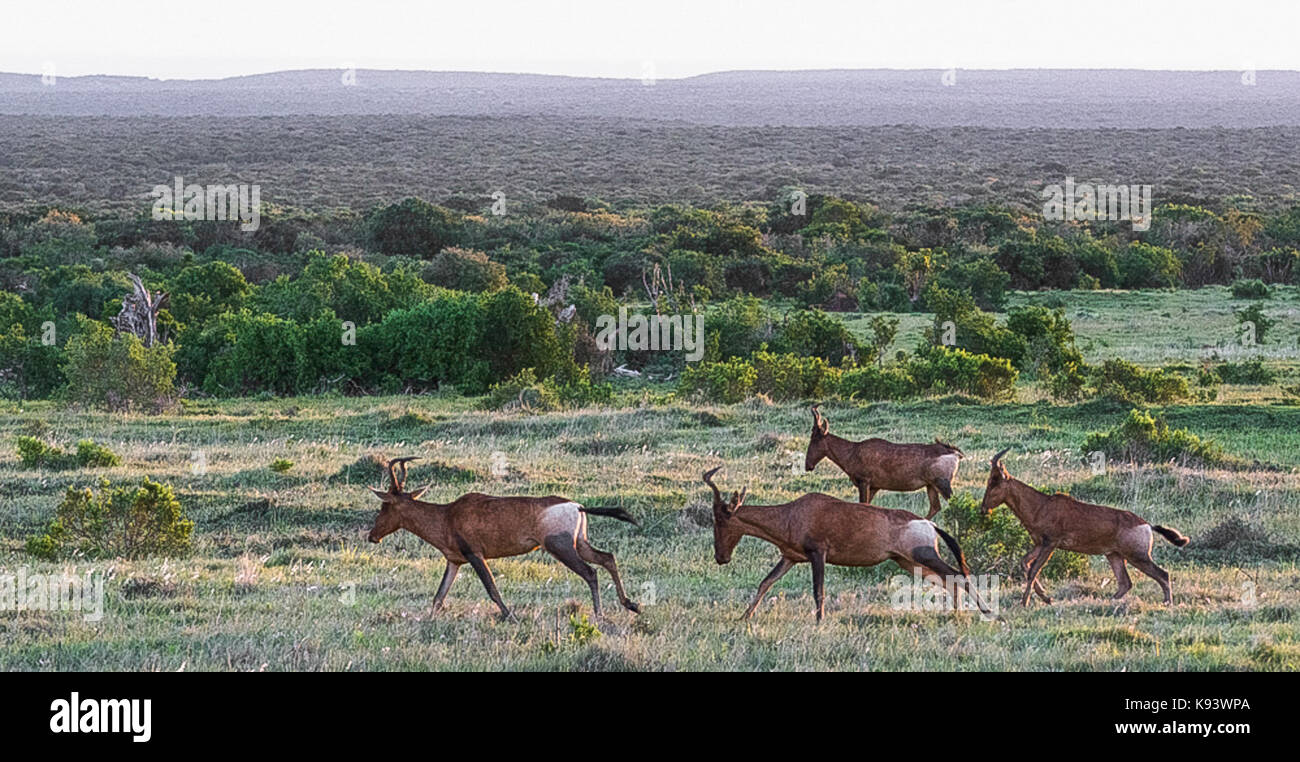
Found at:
(821, 529)
(1061, 522)
(876, 464)
(476, 527)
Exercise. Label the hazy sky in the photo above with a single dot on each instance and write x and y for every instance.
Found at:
(612, 39)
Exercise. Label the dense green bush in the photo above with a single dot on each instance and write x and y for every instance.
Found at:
(413, 228)
(1144, 438)
(1127, 382)
(524, 391)
(813, 333)
(956, 370)
(117, 371)
(116, 522)
(873, 383)
(726, 381)
(1245, 372)
(1250, 289)
(791, 377)
(465, 270)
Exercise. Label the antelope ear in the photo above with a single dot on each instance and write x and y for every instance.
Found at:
(416, 494)
(381, 494)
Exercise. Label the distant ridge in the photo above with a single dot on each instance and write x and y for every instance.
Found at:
(1071, 98)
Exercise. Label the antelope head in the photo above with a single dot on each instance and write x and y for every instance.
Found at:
(726, 534)
(817, 443)
(995, 492)
(395, 500)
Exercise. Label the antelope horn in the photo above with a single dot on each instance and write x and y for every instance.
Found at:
(998, 457)
(392, 472)
(708, 479)
(816, 415)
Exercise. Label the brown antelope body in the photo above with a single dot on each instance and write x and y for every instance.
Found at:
(876, 464)
(476, 527)
(1059, 522)
(820, 529)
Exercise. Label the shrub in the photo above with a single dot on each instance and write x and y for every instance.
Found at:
(118, 372)
(116, 522)
(1245, 372)
(946, 368)
(1049, 338)
(1250, 289)
(93, 455)
(465, 270)
(1126, 382)
(994, 544)
(728, 381)
(1254, 318)
(524, 391)
(736, 328)
(813, 333)
(281, 465)
(1144, 438)
(873, 383)
(35, 453)
(413, 228)
(789, 377)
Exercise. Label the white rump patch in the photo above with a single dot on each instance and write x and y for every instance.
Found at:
(561, 518)
(949, 462)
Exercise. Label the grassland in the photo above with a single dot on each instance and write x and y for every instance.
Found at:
(281, 577)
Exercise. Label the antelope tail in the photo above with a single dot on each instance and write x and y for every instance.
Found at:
(956, 550)
(614, 513)
(1172, 535)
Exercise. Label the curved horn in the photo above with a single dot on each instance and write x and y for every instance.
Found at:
(816, 415)
(708, 479)
(399, 484)
(998, 457)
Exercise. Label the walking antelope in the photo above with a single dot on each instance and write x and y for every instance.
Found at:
(821, 529)
(476, 527)
(1061, 522)
(875, 464)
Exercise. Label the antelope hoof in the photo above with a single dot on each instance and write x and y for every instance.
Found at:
(631, 606)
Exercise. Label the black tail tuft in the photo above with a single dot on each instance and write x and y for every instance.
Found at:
(1172, 535)
(613, 513)
(956, 550)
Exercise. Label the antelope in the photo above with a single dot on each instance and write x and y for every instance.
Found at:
(1061, 522)
(821, 529)
(476, 527)
(875, 464)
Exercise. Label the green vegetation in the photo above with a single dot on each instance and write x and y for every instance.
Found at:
(116, 522)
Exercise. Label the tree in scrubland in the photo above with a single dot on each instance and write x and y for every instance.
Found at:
(465, 270)
(117, 371)
(413, 228)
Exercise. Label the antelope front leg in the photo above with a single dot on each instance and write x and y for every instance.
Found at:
(778, 571)
(864, 490)
(1038, 586)
(1044, 552)
(818, 559)
(485, 574)
(448, 577)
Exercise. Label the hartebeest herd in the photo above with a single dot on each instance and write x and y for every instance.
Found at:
(816, 528)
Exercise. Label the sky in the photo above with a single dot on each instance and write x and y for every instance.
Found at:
(661, 38)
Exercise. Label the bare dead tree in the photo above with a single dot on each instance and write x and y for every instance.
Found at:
(139, 315)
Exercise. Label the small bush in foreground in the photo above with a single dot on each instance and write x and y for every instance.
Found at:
(116, 522)
(1249, 289)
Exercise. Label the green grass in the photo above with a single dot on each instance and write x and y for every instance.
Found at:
(282, 578)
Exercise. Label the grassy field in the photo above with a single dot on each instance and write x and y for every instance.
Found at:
(282, 578)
